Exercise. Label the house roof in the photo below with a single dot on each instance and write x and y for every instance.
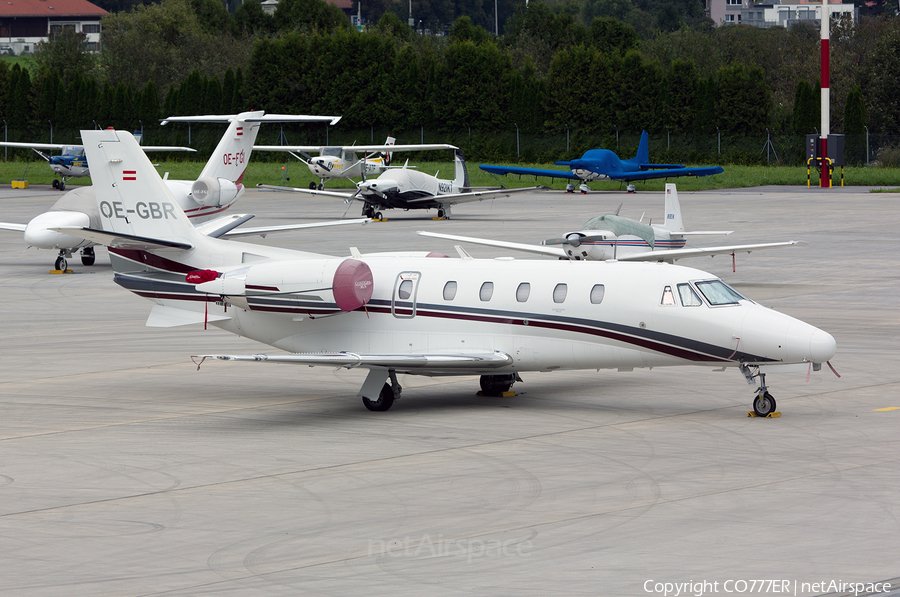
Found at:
(49, 8)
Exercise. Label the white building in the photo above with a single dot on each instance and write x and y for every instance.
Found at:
(24, 23)
(776, 14)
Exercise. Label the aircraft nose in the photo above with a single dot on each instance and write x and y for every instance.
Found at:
(38, 232)
(804, 342)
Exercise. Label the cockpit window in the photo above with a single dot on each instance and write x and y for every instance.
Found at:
(332, 151)
(668, 297)
(689, 298)
(718, 292)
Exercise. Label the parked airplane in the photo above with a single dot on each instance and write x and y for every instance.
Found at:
(405, 188)
(613, 236)
(217, 188)
(603, 164)
(427, 316)
(344, 162)
(71, 163)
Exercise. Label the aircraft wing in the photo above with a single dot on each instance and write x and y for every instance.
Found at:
(46, 146)
(671, 255)
(357, 148)
(454, 198)
(15, 227)
(264, 230)
(431, 362)
(539, 249)
(272, 187)
(529, 171)
(669, 173)
(119, 240)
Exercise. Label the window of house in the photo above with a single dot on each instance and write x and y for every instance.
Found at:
(88, 28)
(597, 293)
(523, 291)
(487, 290)
(450, 291)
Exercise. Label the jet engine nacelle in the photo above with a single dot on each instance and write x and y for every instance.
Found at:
(348, 283)
(213, 192)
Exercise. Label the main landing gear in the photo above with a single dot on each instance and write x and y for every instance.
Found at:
(59, 184)
(389, 391)
(87, 256)
(370, 212)
(763, 403)
(496, 385)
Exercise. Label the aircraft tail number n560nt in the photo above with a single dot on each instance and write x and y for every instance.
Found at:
(427, 315)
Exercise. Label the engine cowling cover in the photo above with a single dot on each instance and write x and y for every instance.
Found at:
(213, 192)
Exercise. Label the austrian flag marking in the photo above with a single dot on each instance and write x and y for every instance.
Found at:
(129, 175)
(240, 131)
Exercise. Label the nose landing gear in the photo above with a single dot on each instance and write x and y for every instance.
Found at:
(763, 403)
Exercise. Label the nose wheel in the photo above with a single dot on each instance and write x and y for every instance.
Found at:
(763, 403)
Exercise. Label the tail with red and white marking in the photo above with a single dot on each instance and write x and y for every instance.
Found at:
(230, 159)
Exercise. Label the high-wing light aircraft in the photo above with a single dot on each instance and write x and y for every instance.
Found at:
(393, 314)
(71, 162)
(343, 161)
(405, 188)
(217, 188)
(603, 164)
(613, 236)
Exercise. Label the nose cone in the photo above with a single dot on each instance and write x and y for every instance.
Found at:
(804, 342)
(38, 232)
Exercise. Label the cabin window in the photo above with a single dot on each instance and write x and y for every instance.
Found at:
(689, 298)
(718, 292)
(450, 291)
(597, 293)
(559, 293)
(668, 297)
(523, 291)
(405, 290)
(487, 290)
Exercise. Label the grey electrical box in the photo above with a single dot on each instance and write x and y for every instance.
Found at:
(836, 149)
(812, 147)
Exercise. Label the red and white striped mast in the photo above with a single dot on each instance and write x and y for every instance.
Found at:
(824, 177)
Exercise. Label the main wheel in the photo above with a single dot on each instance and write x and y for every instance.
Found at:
(62, 185)
(378, 215)
(369, 211)
(441, 213)
(88, 256)
(384, 402)
(320, 186)
(55, 183)
(312, 186)
(61, 263)
(495, 385)
(764, 405)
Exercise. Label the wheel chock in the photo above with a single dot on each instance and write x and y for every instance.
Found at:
(381, 220)
(61, 271)
(437, 218)
(773, 415)
(508, 394)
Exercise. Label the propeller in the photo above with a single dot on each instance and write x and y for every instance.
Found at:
(575, 239)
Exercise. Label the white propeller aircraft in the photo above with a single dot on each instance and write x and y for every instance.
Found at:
(616, 237)
(343, 161)
(217, 188)
(405, 188)
(421, 315)
(71, 162)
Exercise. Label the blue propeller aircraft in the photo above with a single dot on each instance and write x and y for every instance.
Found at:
(71, 163)
(603, 164)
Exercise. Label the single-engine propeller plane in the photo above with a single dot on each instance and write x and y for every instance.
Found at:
(428, 315)
(603, 164)
(344, 161)
(215, 190)
(71, 163)
(612, 236)
(405, 188)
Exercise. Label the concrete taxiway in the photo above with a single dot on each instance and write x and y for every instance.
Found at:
(125, 471)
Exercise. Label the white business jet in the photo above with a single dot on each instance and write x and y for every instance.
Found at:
(393, 314)
(344, 161)
(215, 190)
(406, 188)
(613, 236)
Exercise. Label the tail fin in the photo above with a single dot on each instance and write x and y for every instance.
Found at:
(674, 223)
(461, 175)
(231, 156)
(643, 152)
(132, 198)
(388, 154)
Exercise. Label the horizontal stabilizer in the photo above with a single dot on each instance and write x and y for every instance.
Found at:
(119, 240)
(170, 317)
(403, 362)
(264, 230)
(218, 227)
